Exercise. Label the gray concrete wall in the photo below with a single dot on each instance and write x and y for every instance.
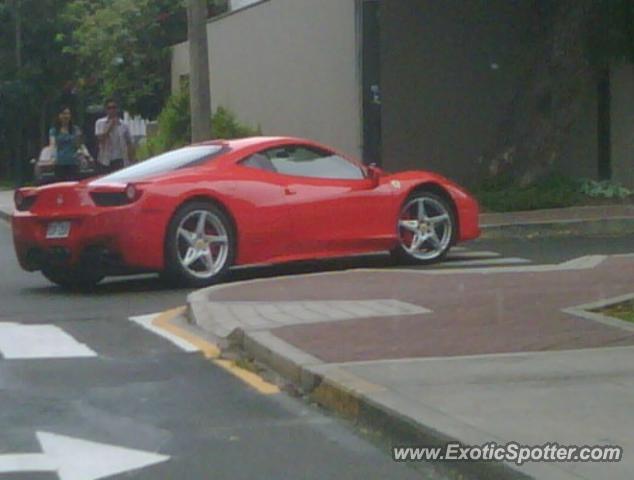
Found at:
(622, 124)
(288, 66)
(580, 156)
(180, 64)
(448, 72)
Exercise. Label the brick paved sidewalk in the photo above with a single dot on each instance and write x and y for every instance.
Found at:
(492, 354)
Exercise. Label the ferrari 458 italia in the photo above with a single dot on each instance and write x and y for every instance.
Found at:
(193, 213)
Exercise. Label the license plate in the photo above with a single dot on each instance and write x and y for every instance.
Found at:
(58, 230)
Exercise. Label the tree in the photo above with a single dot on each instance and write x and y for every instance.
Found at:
(200, 103)
(34, 72)
(575, 41)
(122, 49)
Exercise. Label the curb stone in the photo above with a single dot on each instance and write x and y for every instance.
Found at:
(608, 226)
(346, 399)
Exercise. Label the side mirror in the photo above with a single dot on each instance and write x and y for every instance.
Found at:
(374, 172)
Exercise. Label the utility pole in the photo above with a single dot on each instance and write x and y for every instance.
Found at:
(17, 160)
(199, 95)
(18, 34)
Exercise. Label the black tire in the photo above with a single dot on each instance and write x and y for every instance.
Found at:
(441, 206)
(72, 278)
(175, 272)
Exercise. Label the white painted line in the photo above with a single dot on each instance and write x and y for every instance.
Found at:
(77, 459)
(146, 322)
(581, 263)
(485, 262)
(39, 341)
(476, 254)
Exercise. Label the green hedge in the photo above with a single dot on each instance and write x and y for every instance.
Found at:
(174, 128)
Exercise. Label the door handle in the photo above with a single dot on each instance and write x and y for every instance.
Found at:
(289, 191)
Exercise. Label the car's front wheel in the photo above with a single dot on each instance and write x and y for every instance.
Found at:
(200, 245)
(426, 228)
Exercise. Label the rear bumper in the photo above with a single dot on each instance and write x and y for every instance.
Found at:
(93, 258)
(114, 240)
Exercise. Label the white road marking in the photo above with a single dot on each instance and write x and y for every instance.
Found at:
(146, 322)
(39, 341)
(472, 254)
(77, 459)
(485, 261)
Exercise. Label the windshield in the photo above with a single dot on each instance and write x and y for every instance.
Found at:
(166, 162)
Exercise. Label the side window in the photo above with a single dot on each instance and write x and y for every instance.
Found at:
(260, 161)
(311, 162)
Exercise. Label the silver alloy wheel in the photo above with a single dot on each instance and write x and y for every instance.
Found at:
(202, 244)
(425, 228)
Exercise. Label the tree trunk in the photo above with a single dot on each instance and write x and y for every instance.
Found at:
(200, 96)
(532, 136)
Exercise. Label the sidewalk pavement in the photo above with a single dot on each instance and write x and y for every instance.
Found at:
(507, 354)
(6, 204)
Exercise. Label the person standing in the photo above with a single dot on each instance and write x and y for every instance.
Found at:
(116, 149)
(65, 140)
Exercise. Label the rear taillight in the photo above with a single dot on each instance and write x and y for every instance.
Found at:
(23, 202)
(130, 194)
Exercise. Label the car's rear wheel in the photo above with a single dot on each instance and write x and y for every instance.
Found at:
(200, 245)
(72, 278)
(426, 227)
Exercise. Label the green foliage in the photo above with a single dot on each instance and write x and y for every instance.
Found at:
(122, 48)
(33, 77)
(225, 125)
(604, 189)
(623, 310)
(174, 128)
(611, 34)
(503, 195)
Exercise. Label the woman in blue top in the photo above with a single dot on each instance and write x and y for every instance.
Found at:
(65, 139)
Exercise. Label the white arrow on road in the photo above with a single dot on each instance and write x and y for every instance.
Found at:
(76, 459)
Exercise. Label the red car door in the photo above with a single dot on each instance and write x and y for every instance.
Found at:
(261, 211)
(334, 208)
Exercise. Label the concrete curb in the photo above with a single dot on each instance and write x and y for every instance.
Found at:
(607, 226)
(351, 399)
(5, 216)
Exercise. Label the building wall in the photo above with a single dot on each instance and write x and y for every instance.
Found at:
(580, 156)
(180, 64)
(288, 66)
(622, 124)
(449, 70)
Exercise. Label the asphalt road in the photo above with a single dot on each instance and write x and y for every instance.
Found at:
(141, 392)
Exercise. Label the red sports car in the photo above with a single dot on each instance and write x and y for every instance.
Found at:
(192, 213)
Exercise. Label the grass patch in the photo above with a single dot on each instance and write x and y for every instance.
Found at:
(623, 311)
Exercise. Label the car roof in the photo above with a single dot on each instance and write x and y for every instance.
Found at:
(240, 143)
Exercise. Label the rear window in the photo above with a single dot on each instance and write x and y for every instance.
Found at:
(166, 162)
